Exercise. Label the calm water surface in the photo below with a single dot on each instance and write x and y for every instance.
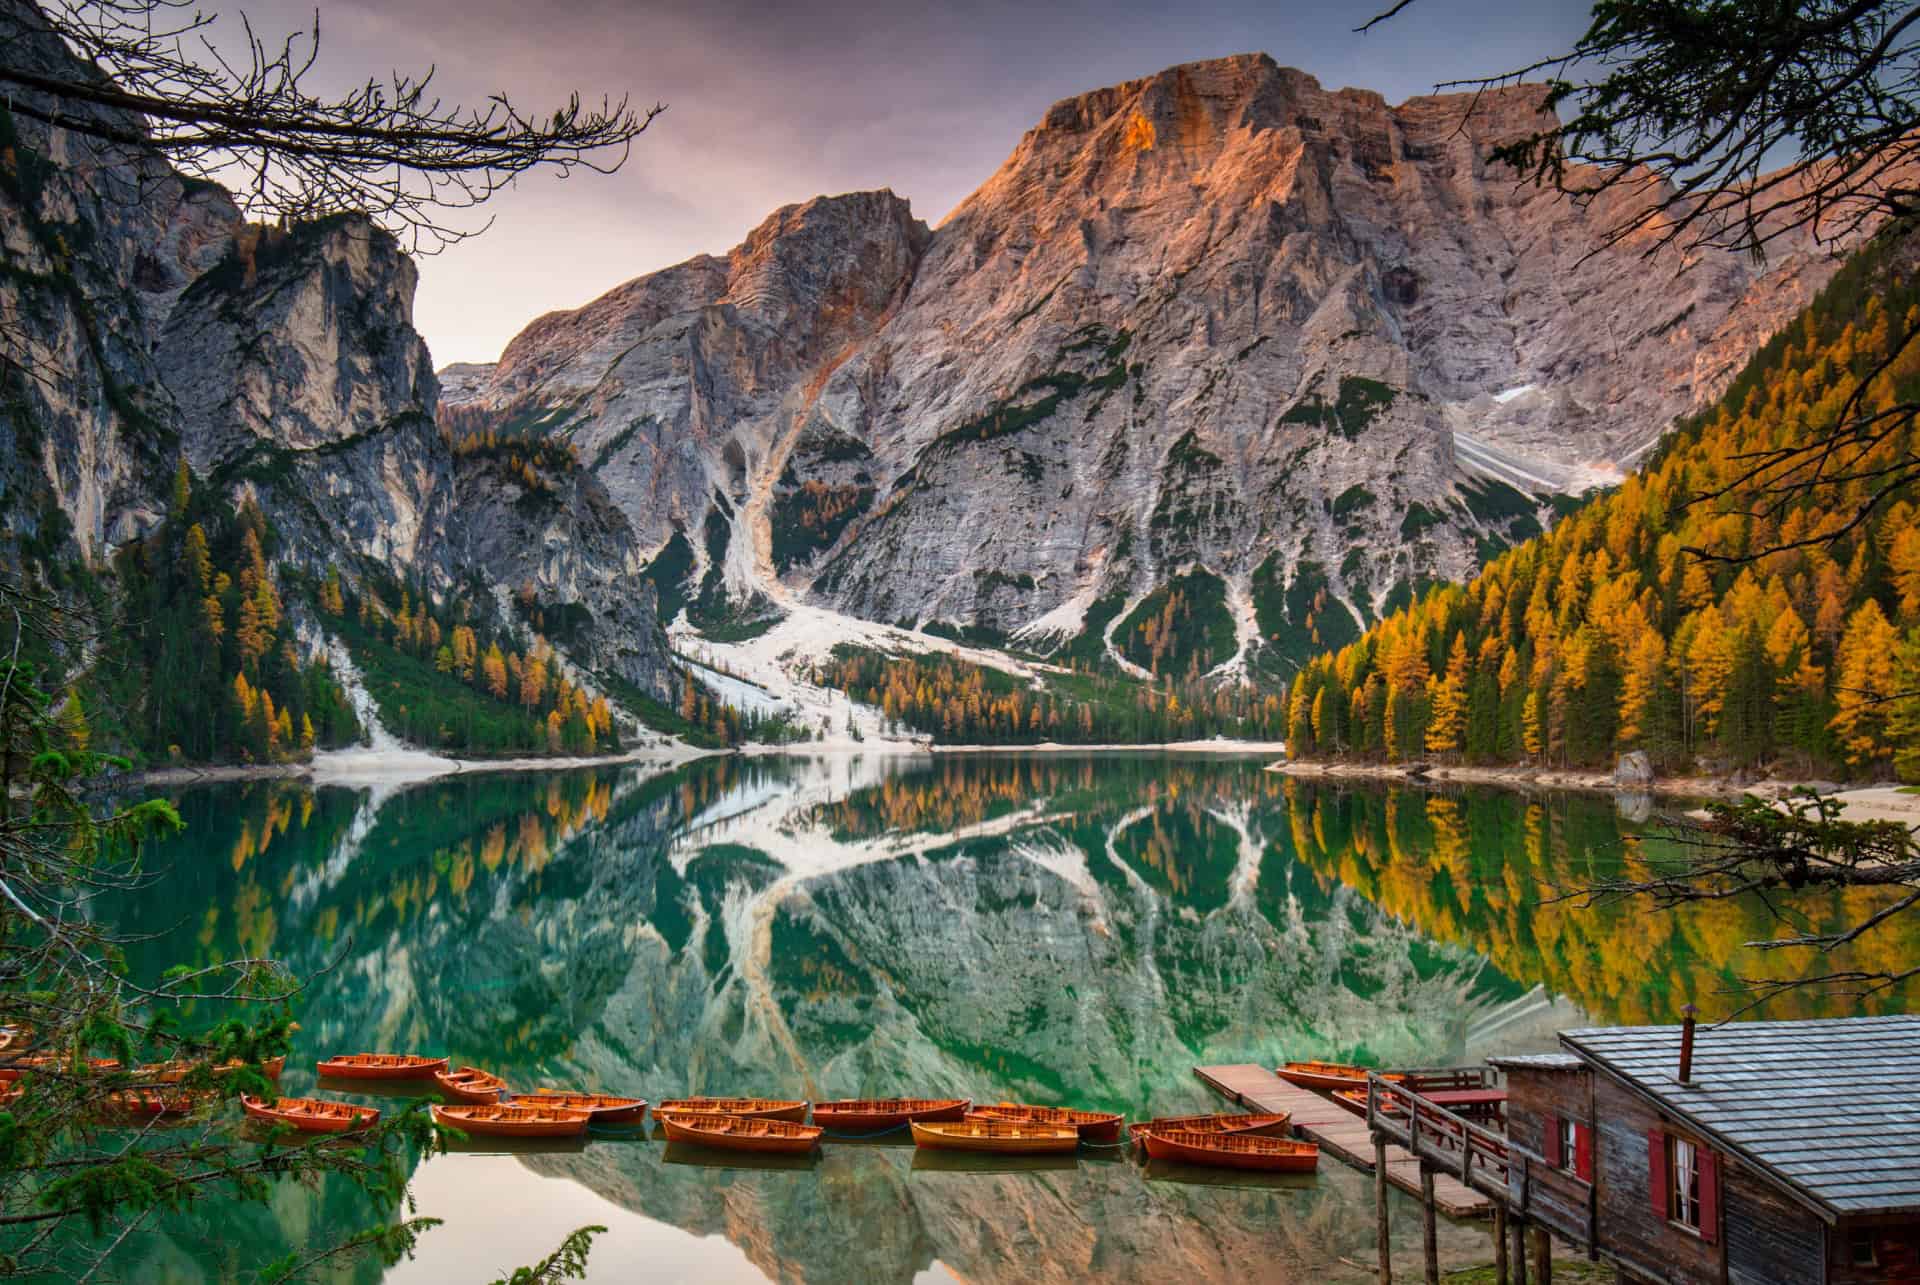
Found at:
(1075, 929)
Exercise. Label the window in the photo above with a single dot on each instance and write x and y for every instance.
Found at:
(1684, 1180)
(1569, 1145)
(1861, 1246)
(1683, 1198)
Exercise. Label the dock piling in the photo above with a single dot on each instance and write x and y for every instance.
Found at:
(1383, 1222)
(1429, 1228)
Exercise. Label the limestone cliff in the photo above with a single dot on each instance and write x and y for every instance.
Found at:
(144, 320)
(1314, 346)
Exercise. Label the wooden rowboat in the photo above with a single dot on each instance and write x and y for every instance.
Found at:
(755, 1108)
(152, 1103)
(1328, 1076)
(739, 1132)
(1233, 1151)
(176, 1070)
(1002, 1136)
(1355, 1100)
(470, 1085)
(864, 1115)
(1259, 1124)
(604, 1108)
(54, 1062)
(311, 1115)
(498, 1121)
(1093, 1126)
(381, 1066)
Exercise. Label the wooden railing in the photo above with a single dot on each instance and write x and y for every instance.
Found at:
(1432, 1079)
(1486, 1161)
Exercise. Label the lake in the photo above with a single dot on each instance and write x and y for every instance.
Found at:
(1063, 928)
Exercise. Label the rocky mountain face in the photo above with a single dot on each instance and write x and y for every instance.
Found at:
(1296, 350)
(146, 320)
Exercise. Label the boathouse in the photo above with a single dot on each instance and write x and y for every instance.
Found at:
(1756, 1153)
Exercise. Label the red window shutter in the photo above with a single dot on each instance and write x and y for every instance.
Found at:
(1657, 1171)
(1583, 1151)
(1709, 1196)
(1555, 1157)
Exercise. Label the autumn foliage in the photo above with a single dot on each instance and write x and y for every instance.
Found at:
(1746, 628)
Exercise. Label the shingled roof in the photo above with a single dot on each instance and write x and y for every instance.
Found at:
(1829, 1108)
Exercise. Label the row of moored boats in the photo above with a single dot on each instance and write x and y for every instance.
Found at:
(479, 1102)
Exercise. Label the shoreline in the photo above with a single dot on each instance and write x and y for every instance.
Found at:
(368, 767)
(407, 766)
(1260, 749)
(1524, 778)
(1877, 802)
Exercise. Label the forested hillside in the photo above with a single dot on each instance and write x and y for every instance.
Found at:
(959, 703)
(1609, 633)
(201, 662)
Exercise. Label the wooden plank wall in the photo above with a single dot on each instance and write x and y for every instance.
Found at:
(1770, 1238)
(1629, 1228)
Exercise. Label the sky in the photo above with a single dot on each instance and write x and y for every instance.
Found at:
(769, 104)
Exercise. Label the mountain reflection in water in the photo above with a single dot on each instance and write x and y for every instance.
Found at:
(1058, 928)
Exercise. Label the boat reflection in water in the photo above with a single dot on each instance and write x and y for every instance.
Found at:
(699, 1157)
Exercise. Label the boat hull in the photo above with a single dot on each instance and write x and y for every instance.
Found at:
(1092, 1126)
(50, 1063)
(512, 1122)
(1258, 1125)
(390, 1067)
(750, 1108)
(311, 1115)
(1233, 1151)
(996, 1136)
(604, 1108)
(759, 1135)
(1326, 1078)
(875, 1115)
(469, 1087)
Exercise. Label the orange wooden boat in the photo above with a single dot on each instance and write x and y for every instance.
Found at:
(865, 1115)
(1328, 1076)
(754, 1108)
(498, 1121)
(739, 1132)
(1258, 1124)
(311, 1115)
(152, 1103)
(470, 1085)
(1355, 1100)
(1232, 1151)
(604, 1108)
(1093, 1126)
(176, 1070)
(381, 1066)
(1004, 1137)
(53, 1062)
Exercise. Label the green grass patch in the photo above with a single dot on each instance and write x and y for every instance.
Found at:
(1298, 616)
(1360, 401)
(809, 517)
(1352, 500)
(1181, 629)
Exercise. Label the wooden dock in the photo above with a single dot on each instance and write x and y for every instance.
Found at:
(1339, 1133)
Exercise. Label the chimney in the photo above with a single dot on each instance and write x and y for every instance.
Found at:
(1686, 1044)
